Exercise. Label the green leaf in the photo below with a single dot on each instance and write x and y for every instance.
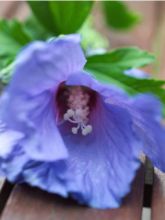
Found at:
(6, 72)
(41, 10)
(16, 30)
(8, 46)
(12, 37)
(35, 30)
(132, 85)
(70, 15)
(62, 17)
(118, 15)
(120, 59)
(110, 67)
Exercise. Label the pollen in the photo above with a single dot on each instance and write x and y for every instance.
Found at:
(78, 110)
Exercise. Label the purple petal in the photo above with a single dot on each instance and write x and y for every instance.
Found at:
(45, 175)
(34, 116)
(46, 144)
(145, 110)
(103, 162)
(147, 121)
(148, 105)
(29, 99)
(12, 165)
(8, 139)
(85, 79)
(43, 65)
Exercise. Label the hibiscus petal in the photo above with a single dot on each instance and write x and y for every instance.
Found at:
(18, 167)
(12, 165)
(85, 79)
(148, 105)
(145, 110)
(8, 139)
(147, 121)
(103, 162)
(46, 144)
(47, 176)
(16, 162)
(35, 117)
(48, 62)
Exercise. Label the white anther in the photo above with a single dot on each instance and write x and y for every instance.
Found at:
(66, 116)
(89, 128)
(70, 113)
(84, 132)
(74, 130)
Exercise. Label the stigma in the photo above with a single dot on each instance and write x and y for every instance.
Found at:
(78, 111)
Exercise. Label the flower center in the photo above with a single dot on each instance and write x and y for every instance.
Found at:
(78, 110)
(75, 104)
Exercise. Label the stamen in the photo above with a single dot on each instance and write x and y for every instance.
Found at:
(78, 111)
(87, 130)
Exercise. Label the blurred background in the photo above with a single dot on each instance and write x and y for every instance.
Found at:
(148, 33)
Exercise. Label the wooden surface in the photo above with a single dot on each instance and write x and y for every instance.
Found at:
(1, 182)
(158, 199)
(25, 203)
(5, 190)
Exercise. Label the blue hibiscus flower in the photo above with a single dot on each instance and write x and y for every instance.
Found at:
(63, 131)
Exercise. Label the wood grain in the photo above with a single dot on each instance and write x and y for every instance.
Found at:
(27, 203)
